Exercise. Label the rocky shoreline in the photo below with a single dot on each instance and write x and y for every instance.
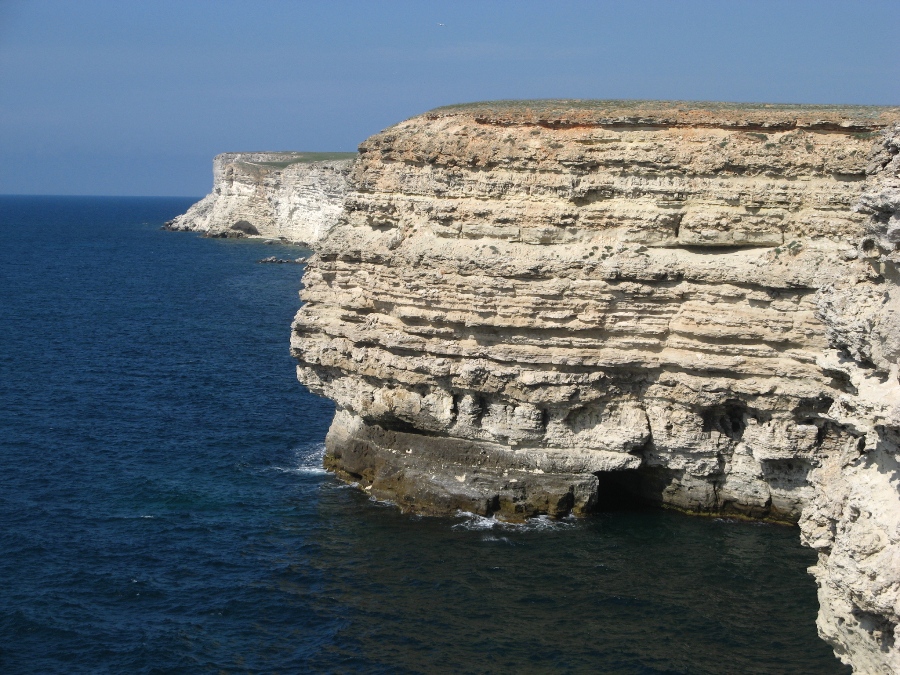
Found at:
(531, 308)
(549, 307)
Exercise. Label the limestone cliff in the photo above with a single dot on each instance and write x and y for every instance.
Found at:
(294, 196)
(532, 308)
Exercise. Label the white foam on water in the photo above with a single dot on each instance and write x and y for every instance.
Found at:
(382, 502)
(309, 462)
(475, 522)
(502, 540)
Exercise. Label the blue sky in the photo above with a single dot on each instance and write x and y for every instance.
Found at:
(132, 97)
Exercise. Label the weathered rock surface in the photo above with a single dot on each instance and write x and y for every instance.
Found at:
(294, 196)
(534, 308)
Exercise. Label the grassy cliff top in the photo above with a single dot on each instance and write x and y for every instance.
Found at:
(578, 112)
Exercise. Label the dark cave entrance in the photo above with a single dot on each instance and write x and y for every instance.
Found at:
(729, 419)
(627, 490)
(245, 226)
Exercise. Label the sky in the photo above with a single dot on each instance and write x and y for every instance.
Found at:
(131, 97)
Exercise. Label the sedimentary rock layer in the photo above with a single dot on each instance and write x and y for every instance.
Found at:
(532, 308)
(293, 196)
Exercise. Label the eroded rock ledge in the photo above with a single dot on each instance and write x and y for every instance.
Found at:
(292, 196)
(528, 308)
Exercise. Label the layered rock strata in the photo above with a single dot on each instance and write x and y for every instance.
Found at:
(535, 308)
(292, 196)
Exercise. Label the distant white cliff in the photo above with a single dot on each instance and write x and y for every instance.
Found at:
(293, 196)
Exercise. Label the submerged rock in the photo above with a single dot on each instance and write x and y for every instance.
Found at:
(532, 308)
(281, 261)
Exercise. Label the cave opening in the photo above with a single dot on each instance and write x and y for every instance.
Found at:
(626, 490)
(728, 419)
(245, 226)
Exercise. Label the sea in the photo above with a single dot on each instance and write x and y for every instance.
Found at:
(163, 508)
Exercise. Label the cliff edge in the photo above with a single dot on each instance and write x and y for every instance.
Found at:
(293, 196)
(535, 307)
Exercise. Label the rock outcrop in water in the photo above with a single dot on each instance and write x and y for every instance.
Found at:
(294, 196)
(537, 308)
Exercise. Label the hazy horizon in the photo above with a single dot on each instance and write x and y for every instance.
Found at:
(112, 99)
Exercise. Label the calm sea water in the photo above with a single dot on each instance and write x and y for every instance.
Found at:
(162, 509)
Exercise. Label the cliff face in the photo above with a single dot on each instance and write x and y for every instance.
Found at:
(531, 309)
(294, 196)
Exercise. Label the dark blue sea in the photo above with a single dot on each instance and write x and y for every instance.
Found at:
(163, 510)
